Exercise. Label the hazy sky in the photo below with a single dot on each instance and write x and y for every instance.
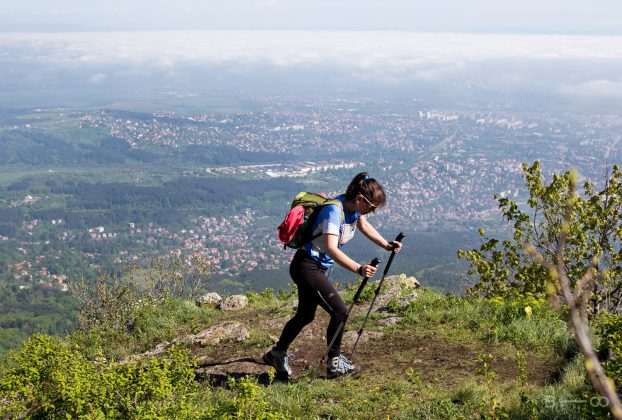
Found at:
(568, 49)
(570, 65)
(498, 16)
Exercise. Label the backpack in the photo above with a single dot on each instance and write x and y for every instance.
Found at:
(295, 231)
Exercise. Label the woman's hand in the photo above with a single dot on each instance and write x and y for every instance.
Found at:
(367, 270)
(393, 246)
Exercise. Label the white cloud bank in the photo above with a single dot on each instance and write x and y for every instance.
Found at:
(605, 89)
(568, 65)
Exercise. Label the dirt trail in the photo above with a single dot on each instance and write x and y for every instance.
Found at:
(434, 358)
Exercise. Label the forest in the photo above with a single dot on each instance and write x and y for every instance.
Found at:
(36, 147)
(116, 203)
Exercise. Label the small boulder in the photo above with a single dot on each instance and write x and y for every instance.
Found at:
(209, 299)
(159, 349)
(234, 368)
(226, 331)
(404, 301)
(233, 303)
(400, 288)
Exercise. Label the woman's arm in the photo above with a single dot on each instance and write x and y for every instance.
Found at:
(373, 235)
(340, 257)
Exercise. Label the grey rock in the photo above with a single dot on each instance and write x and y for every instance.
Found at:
(234, 303)
(401, 288)
(226, 331)
(208, 299)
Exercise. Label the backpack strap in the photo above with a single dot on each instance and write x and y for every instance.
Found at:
(316, 212)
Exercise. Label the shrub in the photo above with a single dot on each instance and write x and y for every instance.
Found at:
(264, 299)
(609, 327)
(49, 378)
(246, 401)
(121, 316)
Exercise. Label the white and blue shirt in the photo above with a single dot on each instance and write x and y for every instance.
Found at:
(329, 222)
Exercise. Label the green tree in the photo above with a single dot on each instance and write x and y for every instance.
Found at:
(591, 223)
(568, 248)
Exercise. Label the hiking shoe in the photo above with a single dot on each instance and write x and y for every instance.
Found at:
(279, 360)
(339, 366)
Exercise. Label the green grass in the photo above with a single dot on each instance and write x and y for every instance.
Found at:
(492, 321)
(167, 320)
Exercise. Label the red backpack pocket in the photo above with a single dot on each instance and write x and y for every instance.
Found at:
(294, 218)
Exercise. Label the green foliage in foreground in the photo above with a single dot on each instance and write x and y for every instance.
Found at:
(50, 377)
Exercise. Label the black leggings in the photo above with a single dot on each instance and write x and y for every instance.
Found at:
(313, 289)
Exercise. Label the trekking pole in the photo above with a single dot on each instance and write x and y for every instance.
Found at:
(384, 274)
(373, 263)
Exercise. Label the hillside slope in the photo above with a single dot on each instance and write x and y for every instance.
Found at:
(423, 355)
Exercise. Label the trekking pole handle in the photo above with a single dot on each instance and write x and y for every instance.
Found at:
(373, 263)
(398, 238)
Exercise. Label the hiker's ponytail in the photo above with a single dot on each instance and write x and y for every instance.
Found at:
(368, 187)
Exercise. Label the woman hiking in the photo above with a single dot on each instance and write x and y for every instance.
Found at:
(310, 263)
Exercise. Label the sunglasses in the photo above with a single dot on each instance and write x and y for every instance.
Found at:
(373, 206)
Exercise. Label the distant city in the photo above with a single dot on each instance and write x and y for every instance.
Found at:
(441, 169)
